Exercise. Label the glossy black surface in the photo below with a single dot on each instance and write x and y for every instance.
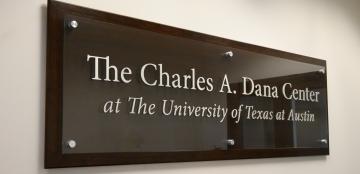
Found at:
(96, 132)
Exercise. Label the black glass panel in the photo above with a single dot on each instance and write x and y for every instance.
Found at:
(301, 123)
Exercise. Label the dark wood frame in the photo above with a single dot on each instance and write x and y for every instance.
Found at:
(54, 158)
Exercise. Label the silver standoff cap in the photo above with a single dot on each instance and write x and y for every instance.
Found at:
(230, 142)
(71, 144)
(229, 54)
(73, 24)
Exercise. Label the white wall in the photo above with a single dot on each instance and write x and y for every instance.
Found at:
(324, 28)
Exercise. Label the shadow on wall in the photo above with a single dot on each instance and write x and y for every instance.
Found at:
(42, 89)
(187, 165)
(350, 9)
(142, 167)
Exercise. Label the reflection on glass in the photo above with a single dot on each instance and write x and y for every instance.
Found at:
(305, 128)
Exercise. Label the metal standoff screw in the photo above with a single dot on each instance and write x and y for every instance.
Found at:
(230, 142)
(229, 54)
(73, 24)
(322, 71)
(71, 144)
(324, 141)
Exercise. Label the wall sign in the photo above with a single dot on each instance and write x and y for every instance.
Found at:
(125, 91)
